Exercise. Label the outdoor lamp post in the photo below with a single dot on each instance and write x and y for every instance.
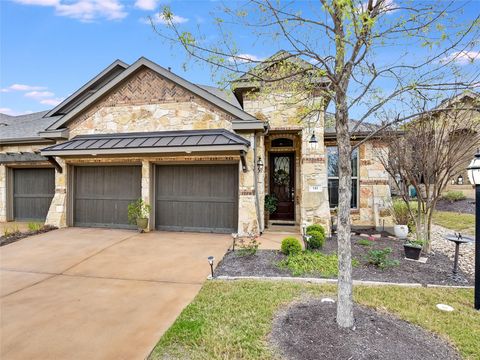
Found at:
(211, 259)
(474, 177)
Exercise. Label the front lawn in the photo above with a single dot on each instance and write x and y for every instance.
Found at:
(464, 223)
(232, 319)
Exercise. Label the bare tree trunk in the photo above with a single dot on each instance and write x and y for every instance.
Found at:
(345, 296)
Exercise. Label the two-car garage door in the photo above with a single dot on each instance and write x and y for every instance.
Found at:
(187, 197)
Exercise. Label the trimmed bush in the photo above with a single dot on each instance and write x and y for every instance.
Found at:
(317, 239)
(453, 196)
(315, 227)
(291, 246)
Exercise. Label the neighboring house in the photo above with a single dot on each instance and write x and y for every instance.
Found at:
(193, 152)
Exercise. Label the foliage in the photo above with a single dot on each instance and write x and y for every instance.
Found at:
(400, 212)
(291, 246)
(315, 227)
(453, 196)
(455, 221)
(365, 242)
(316, 239)
(380, 258)
(138, 210)
(232, 319)
(248, 247)
(34, 226)
(309, 262)
(415, 242)
(10, 231)
(271, 203)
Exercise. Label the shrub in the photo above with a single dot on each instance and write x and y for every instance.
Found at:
(365, 242)
(138, 210)
(271, 203)
(316, 240)
(453, 196)
(400, 213)
(33, 226)
(417, 243)
(311, 263)
(291, 246)
(315, 227)
(380, 258)
(249, 247)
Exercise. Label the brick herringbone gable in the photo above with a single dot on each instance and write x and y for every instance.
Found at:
(147, 87)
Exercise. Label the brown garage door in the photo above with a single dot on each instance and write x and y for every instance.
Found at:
(102, 195)
(197, 198)
(33, 190)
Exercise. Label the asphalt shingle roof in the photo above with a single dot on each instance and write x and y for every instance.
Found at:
(24, 126)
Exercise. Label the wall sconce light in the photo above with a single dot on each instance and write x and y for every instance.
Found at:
(211, 259)
(460, 180)
(313, 142)
(259, 164)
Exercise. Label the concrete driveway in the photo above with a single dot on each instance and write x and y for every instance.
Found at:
(81, 293)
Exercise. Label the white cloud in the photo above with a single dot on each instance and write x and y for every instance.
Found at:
(51, 102)
(245, 58)
(22, 87)
(83, 10)
(39, 94)
(388, 6)
(160, 19)
(8, 111)
(146, 4)
(462, 57)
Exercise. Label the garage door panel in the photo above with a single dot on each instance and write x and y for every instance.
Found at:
(33, 191)
(103, 193)
(197, 198)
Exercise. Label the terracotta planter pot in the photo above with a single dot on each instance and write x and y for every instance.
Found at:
(401, 231)
(412, 251)
(142, 224)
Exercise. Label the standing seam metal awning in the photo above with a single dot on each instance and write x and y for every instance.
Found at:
(150, 142)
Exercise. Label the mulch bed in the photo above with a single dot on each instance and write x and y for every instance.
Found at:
(11, 238)
(436, 270)
(308, 330)
(466, 206)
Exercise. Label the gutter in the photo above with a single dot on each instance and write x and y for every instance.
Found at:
(261, 225)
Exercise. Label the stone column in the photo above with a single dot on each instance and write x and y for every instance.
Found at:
(247, 212)
(3, 193)
(147, 193)
(57, 213)
(314, 205)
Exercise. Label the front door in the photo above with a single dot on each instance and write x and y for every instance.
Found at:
(282, 185)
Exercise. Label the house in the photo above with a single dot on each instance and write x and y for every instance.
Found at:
(203, 158)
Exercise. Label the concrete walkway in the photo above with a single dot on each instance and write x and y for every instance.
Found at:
(81, 293)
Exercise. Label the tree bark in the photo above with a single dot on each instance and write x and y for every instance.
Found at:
(345, 297)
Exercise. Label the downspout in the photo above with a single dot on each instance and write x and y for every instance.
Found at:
(261, 225)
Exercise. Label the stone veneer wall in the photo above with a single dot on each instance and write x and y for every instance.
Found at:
(374, 188)
(283, 114)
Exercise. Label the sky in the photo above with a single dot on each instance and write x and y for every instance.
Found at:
(50, 48)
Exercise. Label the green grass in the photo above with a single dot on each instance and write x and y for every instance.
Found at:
(34, 226)
(309, 262)
(232, 320)
(365, 242)
(455, 221)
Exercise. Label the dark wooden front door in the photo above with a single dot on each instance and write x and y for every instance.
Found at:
(197, 198)
(282, 185)
(33, 190)
(102, 195)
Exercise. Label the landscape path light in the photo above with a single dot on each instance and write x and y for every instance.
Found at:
(211, 259)
(474, 177)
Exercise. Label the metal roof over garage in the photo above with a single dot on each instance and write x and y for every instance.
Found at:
(150, 142)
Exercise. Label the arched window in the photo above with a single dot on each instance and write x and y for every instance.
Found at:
(282, 142)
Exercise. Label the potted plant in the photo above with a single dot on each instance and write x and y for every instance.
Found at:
(413, 249)
(401, 216)
(138, 213)
(271, 202)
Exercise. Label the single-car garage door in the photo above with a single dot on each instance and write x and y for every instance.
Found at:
(102, 195)
(33, 190)
(197, 198)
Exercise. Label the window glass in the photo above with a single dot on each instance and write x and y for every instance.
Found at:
(282, 142)
(332, 162)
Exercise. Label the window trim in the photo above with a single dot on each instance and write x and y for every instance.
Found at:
(354, 178)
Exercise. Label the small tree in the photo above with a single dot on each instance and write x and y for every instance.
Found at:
(430, 151)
